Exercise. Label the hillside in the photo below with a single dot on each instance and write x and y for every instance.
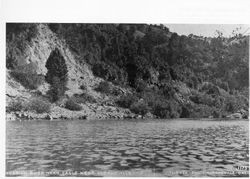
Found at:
(99, 71)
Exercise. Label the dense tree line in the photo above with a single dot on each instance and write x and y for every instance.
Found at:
(127, 53)
(152, 60)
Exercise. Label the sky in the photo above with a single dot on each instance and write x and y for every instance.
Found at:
(207, 30)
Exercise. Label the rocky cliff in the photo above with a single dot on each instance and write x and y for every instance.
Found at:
(31, 58)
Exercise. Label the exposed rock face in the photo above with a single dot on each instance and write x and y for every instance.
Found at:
(34, 55)
(241, 114)
(11, 117)
(49, 117)
(59, 113)
(235, 116)
(149, 116)
(244, 113)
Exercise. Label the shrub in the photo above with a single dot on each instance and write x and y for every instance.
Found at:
(151, 96)
(200, 98)
(83, 98)
(166, 109)
(38, 105)
(162, 110)
(234, 103)
(195, 82)
(168, 90)
(72, 105)
(83, 87)
(210, 88)
(15, 106)
(185, 112)
(140, 108)
(116, 91)
(216, 114)
(223, 85)
(107, 72)
(140, 85)
(201, 110)
(101, 70)
(126, 101)
(104, 87)
(28, 80)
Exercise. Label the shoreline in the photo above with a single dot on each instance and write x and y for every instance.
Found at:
(130, 118)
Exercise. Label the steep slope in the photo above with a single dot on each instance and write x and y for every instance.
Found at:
(31, 57)
(120, 68)
(36, 53)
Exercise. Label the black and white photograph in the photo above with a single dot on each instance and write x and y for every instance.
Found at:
(125, 98)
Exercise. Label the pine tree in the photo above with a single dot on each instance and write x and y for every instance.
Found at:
(57, 74)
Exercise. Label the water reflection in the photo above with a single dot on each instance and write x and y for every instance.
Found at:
(144, 148)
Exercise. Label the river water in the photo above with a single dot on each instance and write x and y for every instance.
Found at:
(127, 148)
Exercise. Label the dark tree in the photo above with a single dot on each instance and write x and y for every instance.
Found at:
(57, 74)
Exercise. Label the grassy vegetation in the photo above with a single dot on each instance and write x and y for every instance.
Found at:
(15, 106)
(28, 80)
(38, 105)
(170, 75)
(140, 107)
(104, 87)
(126, 101)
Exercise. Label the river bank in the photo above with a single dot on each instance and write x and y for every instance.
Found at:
(101, 113)
(89, 112)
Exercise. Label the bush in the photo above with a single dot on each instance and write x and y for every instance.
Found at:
(15, 106)
(166, 109)
(235, 103)
(38, 105)
(83, 87)
(83, 98)
(168, 90)
(107, 72)
(28, 80)
(140, 85)
(140, 108)
(126, 101)
(104, 87)
(195, 82)
(101, 70)
(72, 105)
(210, 88)
(185, 112)
(216, 114)
(151, 96)
(116, 92)
(223, 85)
(200, 98)
(201, 110)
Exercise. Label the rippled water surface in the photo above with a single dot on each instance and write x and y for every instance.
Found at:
(127, 148)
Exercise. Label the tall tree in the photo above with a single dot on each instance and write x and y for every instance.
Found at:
(57, 75)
